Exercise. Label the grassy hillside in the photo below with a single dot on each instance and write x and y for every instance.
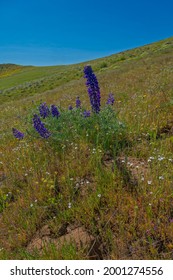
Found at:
(98, 187)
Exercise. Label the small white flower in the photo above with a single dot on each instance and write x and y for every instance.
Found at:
(160, 158)
(161, 178)
(31, 205)
(149, 182)
(151, 157)
(99, 195)
(69, 205)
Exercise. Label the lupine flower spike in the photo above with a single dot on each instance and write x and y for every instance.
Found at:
(110, 100)
(86, 114)
(17, 134)
(70, 107)
(39, 126)
(78, 102)
(54, 111)
(44, 110)
(93, 88)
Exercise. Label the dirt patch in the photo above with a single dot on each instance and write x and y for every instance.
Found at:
(84, 185)
(108, 161)
(77, 235)
(134, 170)
(167, 129)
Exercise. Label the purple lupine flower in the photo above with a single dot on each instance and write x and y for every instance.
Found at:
(86, 114)
(39, 126)
(93, 88)
(110, 100)
(19, 135)
(54, 111)
(44, 110)
(70, 107)
(78, 102)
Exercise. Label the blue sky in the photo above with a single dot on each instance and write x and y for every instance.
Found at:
(52, 32)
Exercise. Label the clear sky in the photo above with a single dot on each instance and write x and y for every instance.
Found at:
(52, 32)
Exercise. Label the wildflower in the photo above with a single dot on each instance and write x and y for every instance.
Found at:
(39, 126)
(44, 110)
(78, 102)
(149, 182)
(160, 158)
(93, 88)
(110, 100)
(54, 111)
(69, 205)
(70, 107)
(150, 159)
(19, 135)
(86, 114)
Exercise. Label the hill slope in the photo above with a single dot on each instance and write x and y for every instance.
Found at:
(99, 187)
(18, 81)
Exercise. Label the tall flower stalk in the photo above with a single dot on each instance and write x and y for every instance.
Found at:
(93, 88)
(44, 110)
(110, 100)
(78, 102)
(54, 111)
(39, 126)
(17, 134)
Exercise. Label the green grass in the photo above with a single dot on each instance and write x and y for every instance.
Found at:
(72, 179)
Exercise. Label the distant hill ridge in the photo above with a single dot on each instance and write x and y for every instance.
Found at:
(18, 81)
